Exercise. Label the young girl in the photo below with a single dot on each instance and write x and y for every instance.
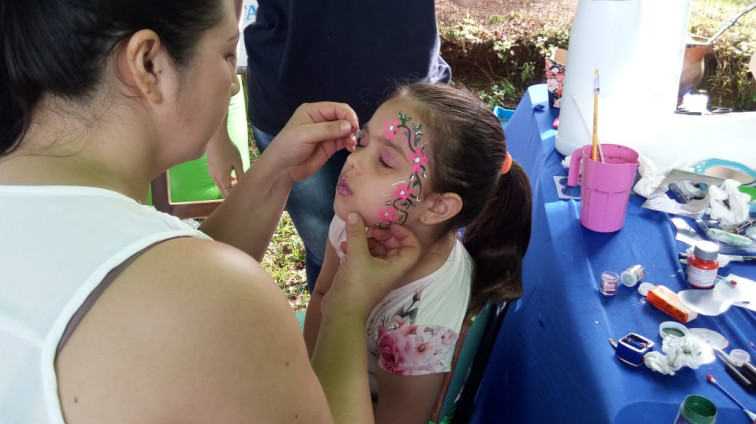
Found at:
(433, 158)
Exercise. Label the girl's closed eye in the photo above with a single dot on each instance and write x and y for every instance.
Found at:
(387, 159)
(361, 138)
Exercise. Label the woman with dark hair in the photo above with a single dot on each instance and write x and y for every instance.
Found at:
(113, 312)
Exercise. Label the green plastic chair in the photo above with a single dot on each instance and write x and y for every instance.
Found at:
(187, 190)
(476, 340)
(477, 337)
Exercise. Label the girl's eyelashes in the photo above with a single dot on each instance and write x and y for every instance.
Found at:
(385, 161)
(231, 59)
(384, 158)
(361, 140)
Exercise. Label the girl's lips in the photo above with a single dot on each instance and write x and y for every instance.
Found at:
(342, 188)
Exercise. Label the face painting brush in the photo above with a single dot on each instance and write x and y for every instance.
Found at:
(750, 414)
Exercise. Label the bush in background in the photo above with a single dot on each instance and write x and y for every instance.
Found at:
(501, 55)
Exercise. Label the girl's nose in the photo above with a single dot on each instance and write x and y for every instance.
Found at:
(354, 159)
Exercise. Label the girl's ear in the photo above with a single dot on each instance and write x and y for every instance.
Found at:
(444, 207)
(145, 65)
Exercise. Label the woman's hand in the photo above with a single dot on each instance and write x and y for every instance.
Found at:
(363, 279)
(222, 158)
(313, 134)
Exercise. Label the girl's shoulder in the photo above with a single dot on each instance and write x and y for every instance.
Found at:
(439, 298)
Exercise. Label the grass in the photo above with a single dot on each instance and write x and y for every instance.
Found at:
(285, 261)
(515, 61)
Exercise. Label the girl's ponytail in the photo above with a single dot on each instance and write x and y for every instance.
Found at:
(498, 239)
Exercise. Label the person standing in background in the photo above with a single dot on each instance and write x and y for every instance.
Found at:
(352, 52)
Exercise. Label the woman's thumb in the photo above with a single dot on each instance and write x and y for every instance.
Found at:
(355, 235)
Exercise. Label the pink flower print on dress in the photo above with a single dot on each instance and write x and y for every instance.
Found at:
(395, 349)
(401, 324)
(390, 131)
(402, 191)
(418, 160)
(448, 338)
(415, 349)
(425, 349)
(388, 215)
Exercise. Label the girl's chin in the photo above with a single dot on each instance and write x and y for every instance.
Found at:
(342, 213)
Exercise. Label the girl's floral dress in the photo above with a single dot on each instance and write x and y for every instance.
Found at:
(413, 330)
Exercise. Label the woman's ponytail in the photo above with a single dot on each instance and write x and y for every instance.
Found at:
(12, 116)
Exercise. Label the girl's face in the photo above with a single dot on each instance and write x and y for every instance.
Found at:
(387, 179)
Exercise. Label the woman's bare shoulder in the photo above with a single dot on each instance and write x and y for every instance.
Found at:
(194, 330)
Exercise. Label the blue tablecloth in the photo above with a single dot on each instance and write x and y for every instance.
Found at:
(552, 361)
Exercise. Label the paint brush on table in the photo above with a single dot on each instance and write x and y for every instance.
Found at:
(595, 145)
(750, 414)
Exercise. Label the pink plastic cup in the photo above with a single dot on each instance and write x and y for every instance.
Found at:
(605, 186)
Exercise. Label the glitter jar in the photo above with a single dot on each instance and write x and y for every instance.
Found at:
(609, 280)
(702, 265)
(631, 276)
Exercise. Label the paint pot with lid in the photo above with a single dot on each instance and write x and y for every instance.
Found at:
(702, 265)
(631, 276)
(696, 409)
(672, 329)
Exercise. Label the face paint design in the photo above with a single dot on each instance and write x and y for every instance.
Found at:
(406, 195)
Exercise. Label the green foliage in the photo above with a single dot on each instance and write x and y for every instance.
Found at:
(285, 258)
(528, 38)
(498, 93)
(495, 19)
(466, 31)
(285, 262)
(726, 78)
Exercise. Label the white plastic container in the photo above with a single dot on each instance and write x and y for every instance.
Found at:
(638, 47)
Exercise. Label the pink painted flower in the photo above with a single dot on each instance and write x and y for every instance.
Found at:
(418, 160)
(390, 131)
(402, 191)
(388, 215)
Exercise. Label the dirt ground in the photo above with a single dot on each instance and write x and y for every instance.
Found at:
(472, 57)
(503, 16)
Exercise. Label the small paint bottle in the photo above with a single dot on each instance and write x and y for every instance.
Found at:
(631, 276)
(609, 281)
(702, 265)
